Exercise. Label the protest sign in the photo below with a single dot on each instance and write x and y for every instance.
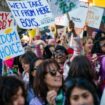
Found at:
(59, 7)
(78, 16)
(6, 20)
(31, 13)
(10, 45)
(94, 17)
(62, 20)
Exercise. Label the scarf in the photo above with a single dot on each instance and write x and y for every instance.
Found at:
(60, 98)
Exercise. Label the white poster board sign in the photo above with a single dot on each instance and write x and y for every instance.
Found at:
(10, 44)
(31, 13)
(94, 17)
(78, 16)
(60, 7)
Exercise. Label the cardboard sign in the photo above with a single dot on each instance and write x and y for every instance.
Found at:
(94, 17)
(60, 7)
(10, 45)
(79, 15)
(31, 13)
(62, 20)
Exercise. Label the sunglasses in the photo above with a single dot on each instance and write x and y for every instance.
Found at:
(54, 72)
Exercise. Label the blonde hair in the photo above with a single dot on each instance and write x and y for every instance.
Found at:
(85, 39)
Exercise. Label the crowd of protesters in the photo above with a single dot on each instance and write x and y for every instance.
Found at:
(56, 69)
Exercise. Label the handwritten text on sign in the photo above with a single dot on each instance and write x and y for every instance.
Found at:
(31, 13)
(5, 20)
(78, 17)
(94, 17)
(10, 45)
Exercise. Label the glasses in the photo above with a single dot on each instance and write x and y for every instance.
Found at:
(54, 72)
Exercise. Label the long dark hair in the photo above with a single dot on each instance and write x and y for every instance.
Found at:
(96, 47)
(9, 86)
(82, 67)
(82, 83)
(40, 87)
(29, 58)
